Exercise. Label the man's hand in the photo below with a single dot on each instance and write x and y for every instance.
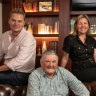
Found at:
(4, 68)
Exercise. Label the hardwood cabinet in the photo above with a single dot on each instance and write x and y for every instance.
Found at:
(6, 7)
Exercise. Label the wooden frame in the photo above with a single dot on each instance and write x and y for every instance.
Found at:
(45, 6)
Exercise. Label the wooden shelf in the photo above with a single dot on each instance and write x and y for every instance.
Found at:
(28, 14)
(46, 35)
(83, 12)
(94, 35)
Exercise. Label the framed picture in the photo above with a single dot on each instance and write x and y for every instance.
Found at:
(45, 6)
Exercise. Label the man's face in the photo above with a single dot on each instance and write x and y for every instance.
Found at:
(16, 22)
(49, 64)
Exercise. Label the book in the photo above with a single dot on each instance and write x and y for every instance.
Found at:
(72, 25)
(53, 45)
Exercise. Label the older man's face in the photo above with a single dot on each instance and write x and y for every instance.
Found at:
(49, 64)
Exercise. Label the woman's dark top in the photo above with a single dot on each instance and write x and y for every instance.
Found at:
(80, 54)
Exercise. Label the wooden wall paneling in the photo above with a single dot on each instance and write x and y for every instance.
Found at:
(64, 24)
(6, 7)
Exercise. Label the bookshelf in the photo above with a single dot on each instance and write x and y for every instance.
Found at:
(45, 19)
(83, 12)
(46, 35)
(30, 14)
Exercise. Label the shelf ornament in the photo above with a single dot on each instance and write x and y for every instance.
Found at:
(30, 28)
(44, 47)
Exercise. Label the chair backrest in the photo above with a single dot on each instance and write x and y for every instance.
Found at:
(68, 65)
(9, 90)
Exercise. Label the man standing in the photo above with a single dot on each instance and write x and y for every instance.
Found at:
(51, 80)
(18, 48)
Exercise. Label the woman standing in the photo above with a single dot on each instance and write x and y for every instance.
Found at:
(81, 48)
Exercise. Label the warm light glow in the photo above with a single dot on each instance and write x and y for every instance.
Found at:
(27, 7)
(30, 29)
(34, 7)
(40, 42)
(44, 47)
(47, 38)
(56, 9)
(41, 28)
(47, 29)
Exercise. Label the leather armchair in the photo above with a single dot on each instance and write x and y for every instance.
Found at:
(8, 90)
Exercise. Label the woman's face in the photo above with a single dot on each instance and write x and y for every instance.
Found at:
(82, 26)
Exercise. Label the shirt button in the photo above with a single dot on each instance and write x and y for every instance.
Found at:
(90, 59)
(86, 54)
(79, 48)
(86, 49)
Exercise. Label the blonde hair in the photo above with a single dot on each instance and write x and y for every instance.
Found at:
(75, 32)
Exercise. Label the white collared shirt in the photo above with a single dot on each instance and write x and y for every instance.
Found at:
(19, 54)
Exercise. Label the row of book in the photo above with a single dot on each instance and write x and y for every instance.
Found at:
(36, 5)
(43, 28)
(53, 45)
(30, 7)
(48, 29)
(17, 4)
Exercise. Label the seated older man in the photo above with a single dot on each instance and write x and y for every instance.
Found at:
(51, 80)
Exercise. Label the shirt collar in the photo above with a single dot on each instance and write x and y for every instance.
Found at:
(81, 41)
(78, 36)
(19, 33)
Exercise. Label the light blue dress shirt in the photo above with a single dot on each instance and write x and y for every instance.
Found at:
(63, 80)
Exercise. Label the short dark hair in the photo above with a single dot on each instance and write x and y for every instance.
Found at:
(19, 11)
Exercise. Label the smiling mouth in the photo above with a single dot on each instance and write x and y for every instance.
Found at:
(49, 67)
(84, 29)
